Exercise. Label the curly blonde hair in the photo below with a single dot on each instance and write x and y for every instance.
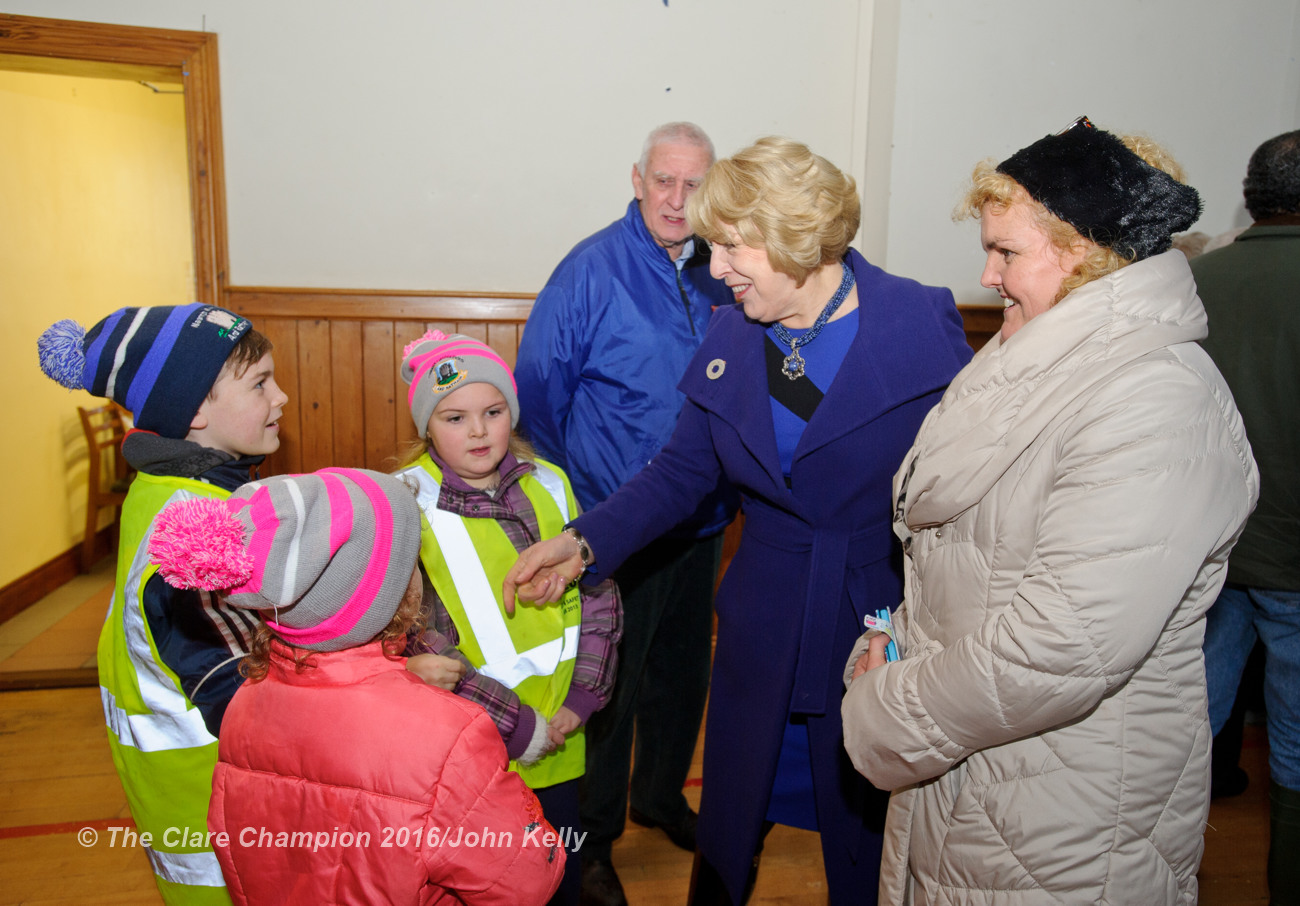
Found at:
(989, 188)
(410, 619)
(779, 195)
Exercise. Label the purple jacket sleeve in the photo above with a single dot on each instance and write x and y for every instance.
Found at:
(655, 499)
(596, 665)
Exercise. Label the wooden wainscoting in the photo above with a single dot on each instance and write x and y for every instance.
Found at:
(337, 353)
(981, 323)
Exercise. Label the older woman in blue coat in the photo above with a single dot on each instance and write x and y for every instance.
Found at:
(806, 395)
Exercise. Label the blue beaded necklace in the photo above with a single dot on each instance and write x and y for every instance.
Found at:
(793, 366)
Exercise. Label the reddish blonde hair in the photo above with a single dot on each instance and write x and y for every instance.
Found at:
(411, 618)
(989, 188)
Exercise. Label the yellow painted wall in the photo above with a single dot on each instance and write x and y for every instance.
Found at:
(94, 215)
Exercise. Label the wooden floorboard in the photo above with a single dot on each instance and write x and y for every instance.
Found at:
(57, 777)
(1236, 841)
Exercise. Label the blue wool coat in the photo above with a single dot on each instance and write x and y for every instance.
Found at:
(814, 559)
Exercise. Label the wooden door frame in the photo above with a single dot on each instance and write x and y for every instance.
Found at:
(91, 49)
(190, 57)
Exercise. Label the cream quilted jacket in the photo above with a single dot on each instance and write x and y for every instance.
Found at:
(1068, 509)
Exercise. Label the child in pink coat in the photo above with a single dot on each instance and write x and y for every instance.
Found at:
(342, 778)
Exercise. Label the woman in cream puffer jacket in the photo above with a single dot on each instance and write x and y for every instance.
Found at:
(1067, 512)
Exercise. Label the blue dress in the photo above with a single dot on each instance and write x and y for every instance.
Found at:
(793, 799)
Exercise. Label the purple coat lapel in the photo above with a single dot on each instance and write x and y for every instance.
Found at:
(880, 372)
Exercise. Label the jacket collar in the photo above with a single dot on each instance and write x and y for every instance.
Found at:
(510, 469)
(1269, 232)
(331, 667)
(648, 248)
(998, 405)
(879, 371)
(174, 457)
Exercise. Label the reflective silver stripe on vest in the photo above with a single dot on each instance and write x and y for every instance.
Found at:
(554, 484)
(479, 599)
(171, 722)
(539, 661)
(201, 869)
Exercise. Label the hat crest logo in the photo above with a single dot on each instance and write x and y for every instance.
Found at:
(448, 373)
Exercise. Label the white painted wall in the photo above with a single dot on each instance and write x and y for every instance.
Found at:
(430, 144)
(1209, 80)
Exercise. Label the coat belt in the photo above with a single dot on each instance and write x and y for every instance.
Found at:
(832, 552)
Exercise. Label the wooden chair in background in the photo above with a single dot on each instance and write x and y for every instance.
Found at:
(108, 475)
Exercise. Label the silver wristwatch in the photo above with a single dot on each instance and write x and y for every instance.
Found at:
(584, 549)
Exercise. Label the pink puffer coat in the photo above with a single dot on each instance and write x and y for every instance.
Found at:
(353, 782)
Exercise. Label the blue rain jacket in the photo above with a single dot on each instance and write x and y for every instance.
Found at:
(606, 343)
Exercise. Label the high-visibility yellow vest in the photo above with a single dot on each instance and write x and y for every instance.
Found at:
(163, 751)
(531, 652)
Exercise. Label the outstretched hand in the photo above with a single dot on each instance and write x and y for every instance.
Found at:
(542, 572)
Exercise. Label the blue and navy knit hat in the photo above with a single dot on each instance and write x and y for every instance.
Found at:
(158, 363)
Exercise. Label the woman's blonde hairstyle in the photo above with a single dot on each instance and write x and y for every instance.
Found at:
(411, 618)
(780, 196)
(989, 188)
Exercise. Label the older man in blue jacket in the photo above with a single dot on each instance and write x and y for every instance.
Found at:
(606, 343)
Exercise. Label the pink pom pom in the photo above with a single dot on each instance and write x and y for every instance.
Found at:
(199, 543)
(430, 335)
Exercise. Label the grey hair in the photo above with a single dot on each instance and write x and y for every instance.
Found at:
(674, 134)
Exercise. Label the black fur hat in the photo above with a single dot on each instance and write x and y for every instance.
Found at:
(1093, 182)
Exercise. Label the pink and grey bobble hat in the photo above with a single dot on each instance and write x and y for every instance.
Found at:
(159, 363)
(437, 364)
(327, 557)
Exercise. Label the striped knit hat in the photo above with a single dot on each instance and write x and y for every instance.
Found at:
(437, 364)
(327, 556)
(158, 363)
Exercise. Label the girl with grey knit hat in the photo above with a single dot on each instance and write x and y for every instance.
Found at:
(485, 496)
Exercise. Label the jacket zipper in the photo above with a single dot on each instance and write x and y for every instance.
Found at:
(686, 300)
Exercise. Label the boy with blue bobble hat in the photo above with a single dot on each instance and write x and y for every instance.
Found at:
(159, 363)
(200, 383)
